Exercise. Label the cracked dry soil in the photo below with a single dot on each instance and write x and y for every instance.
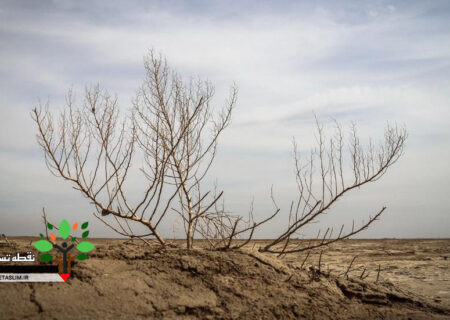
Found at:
(129, 281)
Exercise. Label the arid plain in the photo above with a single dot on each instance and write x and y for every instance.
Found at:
(124, 279)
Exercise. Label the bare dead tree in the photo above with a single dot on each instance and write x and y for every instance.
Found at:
(367, 165)
(222, 229)
(171, 126)
(92, 147)
(317, 195)
(178, 131)
(174, 127)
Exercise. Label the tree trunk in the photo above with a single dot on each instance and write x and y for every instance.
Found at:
(189, 233)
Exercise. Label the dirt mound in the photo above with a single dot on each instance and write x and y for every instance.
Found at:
(134, 282)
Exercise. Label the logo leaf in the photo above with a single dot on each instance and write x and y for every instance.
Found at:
(74, 239)
(49, 226)
(43, 245)
(85, 246)
(82, 256)
(85, 234)
(84, 225)
(64, 229)
(41, 235)
(46, 257)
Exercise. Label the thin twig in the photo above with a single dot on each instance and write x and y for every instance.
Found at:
(378, 273)
(349, 267)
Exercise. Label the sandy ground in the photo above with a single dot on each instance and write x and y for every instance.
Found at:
(419, 266)
(130, 281)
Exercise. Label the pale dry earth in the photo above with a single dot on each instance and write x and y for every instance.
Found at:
(126, 280)
(415, 265)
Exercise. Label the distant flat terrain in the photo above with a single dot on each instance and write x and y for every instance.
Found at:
(418, 265)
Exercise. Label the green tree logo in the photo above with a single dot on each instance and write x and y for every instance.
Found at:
(65, 258)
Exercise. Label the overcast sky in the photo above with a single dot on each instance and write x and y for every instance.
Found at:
(365, 61)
